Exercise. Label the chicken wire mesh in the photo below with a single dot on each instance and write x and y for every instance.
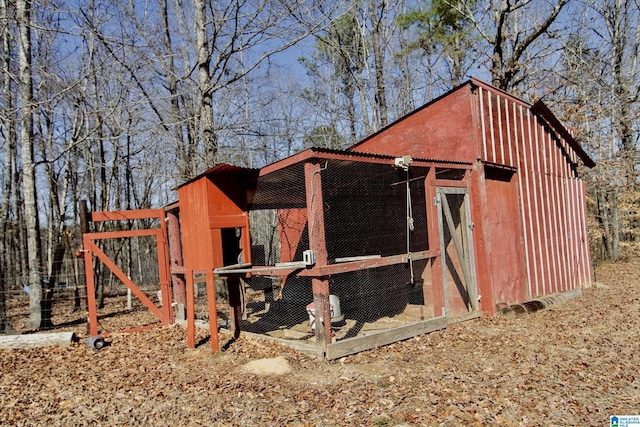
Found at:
(117, 308)
(371, 211)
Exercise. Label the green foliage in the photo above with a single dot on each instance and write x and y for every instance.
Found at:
(443, 27)
(442, 24)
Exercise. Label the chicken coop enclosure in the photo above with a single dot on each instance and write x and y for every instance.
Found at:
(342, 248)
(467, 205)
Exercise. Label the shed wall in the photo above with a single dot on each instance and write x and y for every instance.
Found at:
(196, 236)
(441, 130)
(551, 197)
(544, 204)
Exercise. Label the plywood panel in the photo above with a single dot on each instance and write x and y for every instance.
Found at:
(504, 238)
(441, 130)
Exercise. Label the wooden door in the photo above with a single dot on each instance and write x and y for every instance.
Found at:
(456, 248)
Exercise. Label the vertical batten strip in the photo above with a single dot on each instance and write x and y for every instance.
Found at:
(500, 129)
(563, 164)
(491, 127)
(577, 208)
(557, 237)
(515, 126)
(524, 206)
(548, 209)
(562, 237)
(538, 244)
(570, 234)
(562, 214)
(482, 122)
(541, 183)
(575, 242)
(553, 219)
(585, 241)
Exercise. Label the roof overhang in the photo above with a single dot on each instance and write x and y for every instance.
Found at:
(223, 169)
(320, 154)
(542, 111)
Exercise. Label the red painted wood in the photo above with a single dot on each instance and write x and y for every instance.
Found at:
(213, 313)
(164, 275)
(175, 257)
(441, 130)
(125, 280)
(128, 214)
(479, 122)
(436, 295)
(291, 225)
(504, 236)
(317, 243)
(91, 286)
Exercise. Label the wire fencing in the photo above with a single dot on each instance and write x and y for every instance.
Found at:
(370, 211)
(67, 290)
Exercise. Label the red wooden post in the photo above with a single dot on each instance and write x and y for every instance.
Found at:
(213, 311)
(317, 243)
(175, 257)
(88, 268)
(91, 288)
(163, 270)
(437, 291)
(191, 312)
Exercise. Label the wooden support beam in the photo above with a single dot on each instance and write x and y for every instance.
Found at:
(127, 214)
(213, 311)
(175, 258)
(317, 243)
(164, 275)
(123, 234)
(91, 286)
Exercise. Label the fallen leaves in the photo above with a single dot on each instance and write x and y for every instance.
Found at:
(573, 365)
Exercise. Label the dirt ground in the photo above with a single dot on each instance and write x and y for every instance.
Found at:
(574, 364)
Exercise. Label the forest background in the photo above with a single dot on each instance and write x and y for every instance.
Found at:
(117, 102)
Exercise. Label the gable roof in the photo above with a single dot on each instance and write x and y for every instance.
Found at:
(539, 109)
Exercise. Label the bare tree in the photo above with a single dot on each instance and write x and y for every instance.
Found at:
(602, 84)
(23, 17)
(8, 132)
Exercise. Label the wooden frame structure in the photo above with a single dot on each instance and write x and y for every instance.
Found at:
(504, 211)
(224, 195)
(90, 248)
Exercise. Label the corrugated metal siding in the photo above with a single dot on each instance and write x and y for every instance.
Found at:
(552, 197)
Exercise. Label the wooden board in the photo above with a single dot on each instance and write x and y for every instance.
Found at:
(59, 339)
(357, 344)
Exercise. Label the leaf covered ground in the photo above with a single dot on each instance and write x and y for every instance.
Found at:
(574, 364)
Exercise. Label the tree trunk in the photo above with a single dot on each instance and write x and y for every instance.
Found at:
(10, 153)
(59, 339)
(377, 35)
(615, 226)
(208, 136)
(182, 142)
(23, 8)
